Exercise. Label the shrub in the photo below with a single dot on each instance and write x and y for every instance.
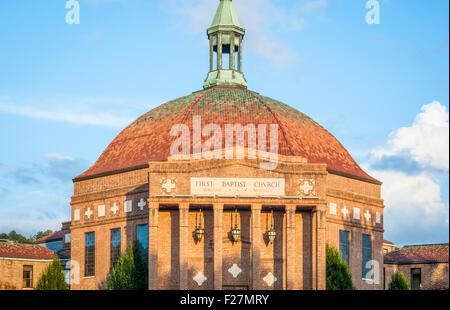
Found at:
(53, 277)
(130, 271)
(338, 276)
(399, 282)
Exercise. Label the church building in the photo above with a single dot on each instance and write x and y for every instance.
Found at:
(226, 188)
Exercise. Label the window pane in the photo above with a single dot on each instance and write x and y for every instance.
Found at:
(115, 246)
(89, 255)
(27, 276)
(366, 256)
(344, 245)
(416, 278)
(142, 239)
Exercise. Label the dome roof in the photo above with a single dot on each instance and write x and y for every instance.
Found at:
(148, 138)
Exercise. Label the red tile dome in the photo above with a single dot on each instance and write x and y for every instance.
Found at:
(148, 138)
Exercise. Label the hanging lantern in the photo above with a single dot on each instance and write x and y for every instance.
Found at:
(271, 233)
(236, 232)
(199, 229)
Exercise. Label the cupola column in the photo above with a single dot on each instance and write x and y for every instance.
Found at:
(232, 51)
(240, 55)
(219, 51)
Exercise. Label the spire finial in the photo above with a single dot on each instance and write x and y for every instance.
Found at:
(225, 35)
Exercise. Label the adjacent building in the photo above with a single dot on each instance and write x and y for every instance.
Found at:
(22, 264)
(424, 266)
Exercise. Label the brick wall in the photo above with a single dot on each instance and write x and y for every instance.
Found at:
(11, 273)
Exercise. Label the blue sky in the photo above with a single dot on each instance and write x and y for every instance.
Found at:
(67, 90)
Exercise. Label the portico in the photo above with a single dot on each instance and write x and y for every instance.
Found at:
(294, 260)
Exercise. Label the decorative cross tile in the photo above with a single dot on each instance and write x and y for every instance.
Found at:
(235, 270)
(168, 185)
(200, 278)
(333, 208)
(114, 209)
(270, 279)
(356, 214)
(306, 187)
(76, 215)
(367, 215)
(142, 204)
(345, 211)
(128, 206)
(88, 213)
(378, 218)
(101, 211)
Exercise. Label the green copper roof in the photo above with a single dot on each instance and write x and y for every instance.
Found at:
(225, 15)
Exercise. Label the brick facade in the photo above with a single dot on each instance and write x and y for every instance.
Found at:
(296, 259)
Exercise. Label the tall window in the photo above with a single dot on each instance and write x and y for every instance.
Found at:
(344, 245)
(89, 254)
(142, 239)
(115, 246)
(416, 278)
(27, 276)
(366, 256)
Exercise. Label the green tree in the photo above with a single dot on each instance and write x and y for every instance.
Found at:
(53, 277)
(399, 282)
(130, 271)
(338, 276)
(42, 234)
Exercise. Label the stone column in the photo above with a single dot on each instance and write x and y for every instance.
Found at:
(240, 54)
(153, 246)
(314, 249)
(211, 53)
(218, 213)
(291, 276)
(219, 51)
(256, 246)
(321, 248)
(184, 240)
(232, 52)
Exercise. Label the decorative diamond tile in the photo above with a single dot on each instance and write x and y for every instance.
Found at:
(270, 279)
(235, 270)
(200, 278)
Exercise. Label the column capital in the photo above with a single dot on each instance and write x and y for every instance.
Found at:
(290, 208)
(256, 207)
(184, 206)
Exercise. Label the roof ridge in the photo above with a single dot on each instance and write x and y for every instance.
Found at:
(259, 97)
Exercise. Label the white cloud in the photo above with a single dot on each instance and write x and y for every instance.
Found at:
(426, 141)
(415, 211)
(259, 17)
(103, 119)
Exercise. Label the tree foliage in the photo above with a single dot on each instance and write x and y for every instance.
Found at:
(130, 271)
(338, 276)
(53, 277)
(14, 236)
(399, 282)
